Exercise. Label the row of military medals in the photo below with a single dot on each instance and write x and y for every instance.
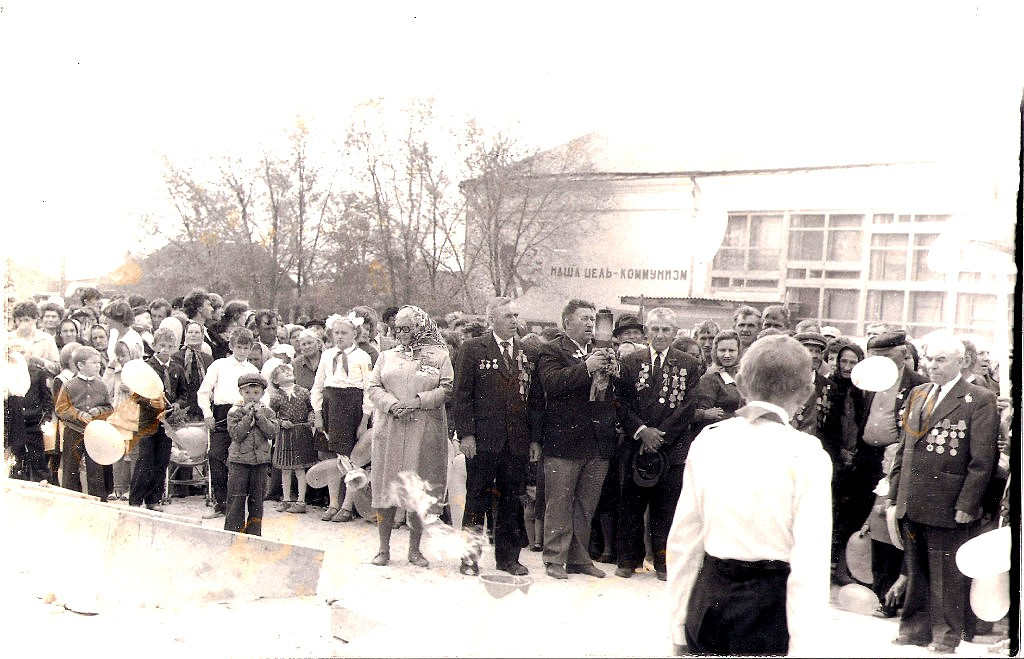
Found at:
(946, 436)
(672, 397)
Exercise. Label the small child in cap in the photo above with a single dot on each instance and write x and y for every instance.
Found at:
(251, 426)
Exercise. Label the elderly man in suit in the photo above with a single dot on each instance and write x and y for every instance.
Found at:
(946, 457)
(856, 482)
(656, 391)
(578, 435)
(492, 388)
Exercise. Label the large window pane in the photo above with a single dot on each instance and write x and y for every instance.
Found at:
(885, 306)
(729, 258)
(844, 245)
(888, 265)
(840, 304)
(806, 245)
(926, 307)
(766, 231)
(920, 270)
(974, 309)
(736, 231)
(807, 298)
(764, 259)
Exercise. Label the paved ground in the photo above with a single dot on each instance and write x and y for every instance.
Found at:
(399, 610)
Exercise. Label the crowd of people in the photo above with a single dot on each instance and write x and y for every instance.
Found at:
(575, 447)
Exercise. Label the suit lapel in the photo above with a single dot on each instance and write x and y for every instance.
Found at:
(949, 403)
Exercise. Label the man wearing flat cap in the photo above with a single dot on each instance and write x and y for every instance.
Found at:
(811, 415)
(883, 410)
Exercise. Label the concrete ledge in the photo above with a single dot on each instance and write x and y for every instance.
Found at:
(94, 555)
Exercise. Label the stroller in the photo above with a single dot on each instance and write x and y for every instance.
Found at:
(189, 445)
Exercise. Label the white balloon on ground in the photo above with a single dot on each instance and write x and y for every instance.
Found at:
(856, 598)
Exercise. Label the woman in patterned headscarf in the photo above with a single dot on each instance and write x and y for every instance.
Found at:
(193, 362)
(408, 389)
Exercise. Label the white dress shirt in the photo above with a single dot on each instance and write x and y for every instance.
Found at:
(220, 385)
(756, 491)
(330, 372)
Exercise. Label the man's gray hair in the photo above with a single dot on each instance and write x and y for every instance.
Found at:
(662, 313)
(497, 303)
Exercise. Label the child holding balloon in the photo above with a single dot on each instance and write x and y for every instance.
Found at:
(82, 399)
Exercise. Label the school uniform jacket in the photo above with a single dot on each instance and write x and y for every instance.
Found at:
(945, 459)
(666, 404)
(490, 400)
(573, 426)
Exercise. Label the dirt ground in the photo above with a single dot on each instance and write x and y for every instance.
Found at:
(398, 611)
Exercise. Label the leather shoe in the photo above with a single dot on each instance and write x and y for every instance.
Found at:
(469, 567)
(941, 648)
(903, 639)
(516, 568)
(590, 570)
(884, 611)
(555, 571)
(662, 575)
(624, 572)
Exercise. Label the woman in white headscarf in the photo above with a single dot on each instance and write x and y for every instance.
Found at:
(408, 388)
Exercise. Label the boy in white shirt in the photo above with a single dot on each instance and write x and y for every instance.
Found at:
(216, 395)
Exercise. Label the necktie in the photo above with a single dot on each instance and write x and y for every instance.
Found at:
(657, 368)
(506, 354)
(928, 407)
(344, 361)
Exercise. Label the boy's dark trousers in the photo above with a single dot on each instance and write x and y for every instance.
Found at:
(99, 478)
(150, 469)
(218, 455)
(246, 486)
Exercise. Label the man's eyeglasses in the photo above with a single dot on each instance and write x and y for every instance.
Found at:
(402, 330)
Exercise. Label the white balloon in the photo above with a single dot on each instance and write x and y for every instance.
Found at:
(990, 596)
(985, 555)
(103, 442)
(191, 438)
(140, 377)
(874, 373)
(857, 598)
(893, 527)
(319, 474)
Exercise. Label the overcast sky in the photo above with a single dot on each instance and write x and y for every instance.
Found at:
(97, 93)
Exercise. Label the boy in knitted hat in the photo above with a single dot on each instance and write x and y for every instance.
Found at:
(251, 426)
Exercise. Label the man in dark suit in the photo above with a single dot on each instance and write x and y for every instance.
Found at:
(492, 387)
(578, 435)
(946, 457)
(883, 413)
(656, 390)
